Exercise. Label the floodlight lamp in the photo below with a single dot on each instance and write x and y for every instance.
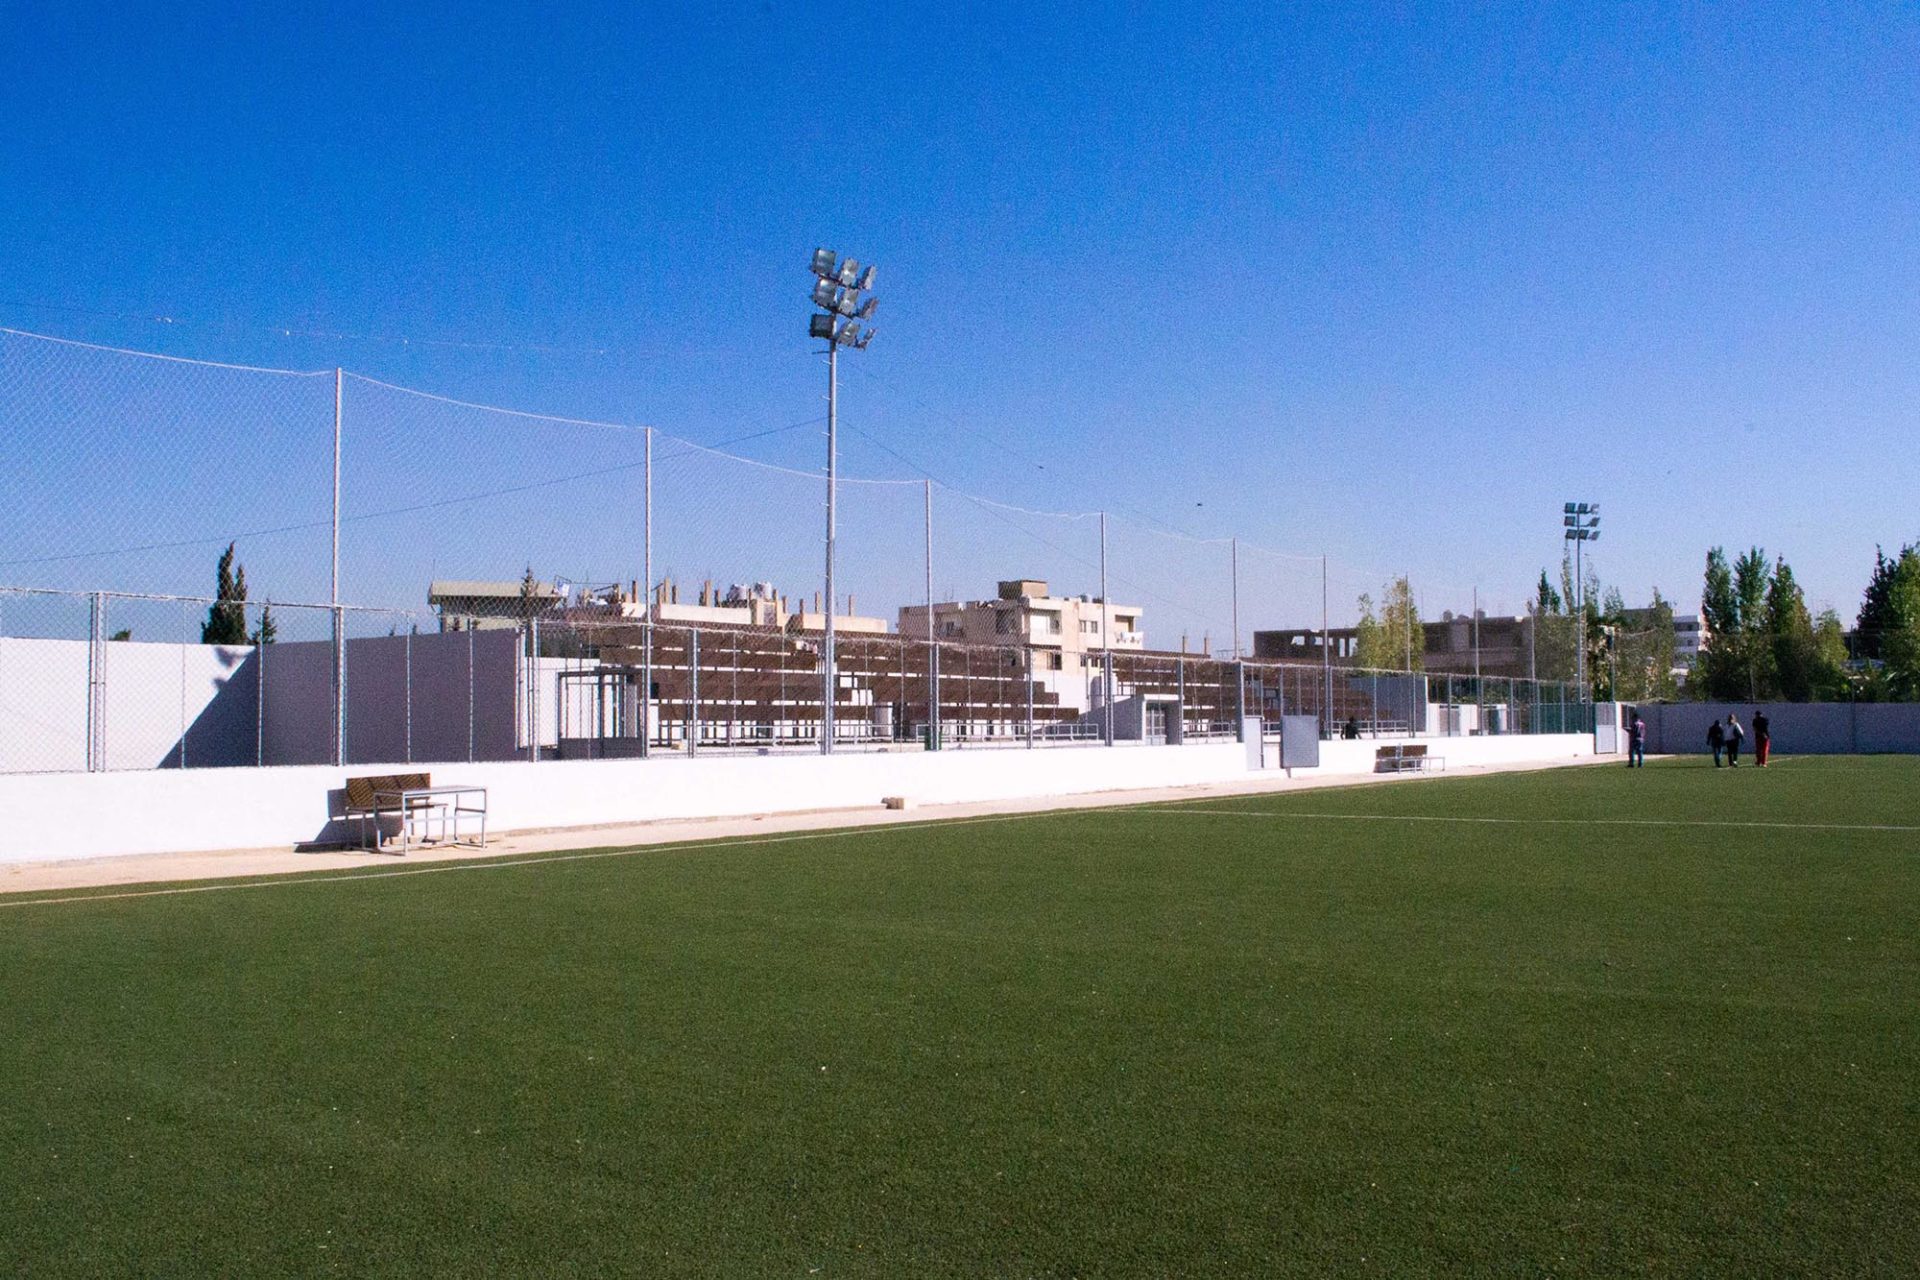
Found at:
(846, 333)
(846, 302)
(819, 326)
(823, 262)
(849, 271)
(1571, 507)
(1593, 535)
(1571, 522)
(866, 308)
(865, 338)
(1595, 510)
(866, 278)
(823, 294)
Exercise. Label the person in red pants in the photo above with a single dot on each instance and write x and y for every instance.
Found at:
(1762, 740)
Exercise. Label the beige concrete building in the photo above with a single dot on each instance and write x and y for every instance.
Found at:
(752, 605)
(465, 605)
(1068, 634)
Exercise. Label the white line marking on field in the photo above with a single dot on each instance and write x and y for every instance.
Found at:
(539, 860)
(1530, 822)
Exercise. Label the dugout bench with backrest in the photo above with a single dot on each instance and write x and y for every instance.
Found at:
(369, 799)
(1406, 757)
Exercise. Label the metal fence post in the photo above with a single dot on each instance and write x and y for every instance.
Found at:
(339, 619)
(259, 701)
(1106, 634)
(646, 611)
(693, 691)
(96, 682)
(933, 646)
(1180, 685)
(470, 696)
(533, 689)
(409, 658)
(1029, 696)
(186, 626)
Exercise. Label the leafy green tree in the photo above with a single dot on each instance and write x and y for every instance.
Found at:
(1392, 640)
(1790, 641)
(1900, 634)
(1876, 616)
(1751, 578)
(1643, 652)
(227, 617)
(1717, 669)
(1832, 679)
(267, 632)
(1547, 600)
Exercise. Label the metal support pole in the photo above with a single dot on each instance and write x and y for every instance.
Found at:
(1106, 632)
(693, 691)
(1233, 545)
(1239, 662)
(533, 689)
(1029, 696)
(339, 619)
(186, 626)
(1580, 627)
(259, 701)
(409, 691)
(933, 648)
(1326, 653)
(470, 697)
(646, 609)
(96, 683)
(829, 678)
(1180, 685)
(1240, 700)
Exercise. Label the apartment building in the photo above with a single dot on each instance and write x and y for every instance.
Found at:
(1067, 634)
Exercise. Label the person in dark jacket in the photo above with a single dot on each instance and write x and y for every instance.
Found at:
(1716, 738)
(1637, 742)
(1735, 736)
(1762, 739)
(1350, 731)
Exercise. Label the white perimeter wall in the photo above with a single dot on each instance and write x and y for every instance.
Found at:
(45, 817)
(156, 695)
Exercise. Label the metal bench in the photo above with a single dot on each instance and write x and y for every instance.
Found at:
(369, 799)
(1406, 757)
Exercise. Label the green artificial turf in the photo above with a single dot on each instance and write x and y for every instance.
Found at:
(1244, 1041)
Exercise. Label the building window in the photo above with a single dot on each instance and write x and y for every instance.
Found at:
(1051, 661)
(1006, 623)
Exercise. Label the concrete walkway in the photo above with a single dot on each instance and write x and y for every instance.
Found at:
(160, 868)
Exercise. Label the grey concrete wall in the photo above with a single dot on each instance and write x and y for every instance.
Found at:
(1799, 728)
(389, 677)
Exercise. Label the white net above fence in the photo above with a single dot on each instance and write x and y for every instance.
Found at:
(129, 475)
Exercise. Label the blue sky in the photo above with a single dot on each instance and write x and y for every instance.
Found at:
(1334, 279)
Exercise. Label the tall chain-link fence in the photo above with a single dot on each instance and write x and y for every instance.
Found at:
(400, 576)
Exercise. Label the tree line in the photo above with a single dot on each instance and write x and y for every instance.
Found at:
(1762, 645)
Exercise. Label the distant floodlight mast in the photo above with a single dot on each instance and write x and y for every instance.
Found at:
(837, 288)
(1580, 524)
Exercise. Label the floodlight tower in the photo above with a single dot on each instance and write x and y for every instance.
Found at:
(1580, 524)
(837, 288)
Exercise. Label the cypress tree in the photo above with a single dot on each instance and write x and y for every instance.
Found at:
(227, 617)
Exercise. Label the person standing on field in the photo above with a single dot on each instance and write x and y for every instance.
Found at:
(1762, 739)
(1716, 738)
(1735, 736)
(1637, 742)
